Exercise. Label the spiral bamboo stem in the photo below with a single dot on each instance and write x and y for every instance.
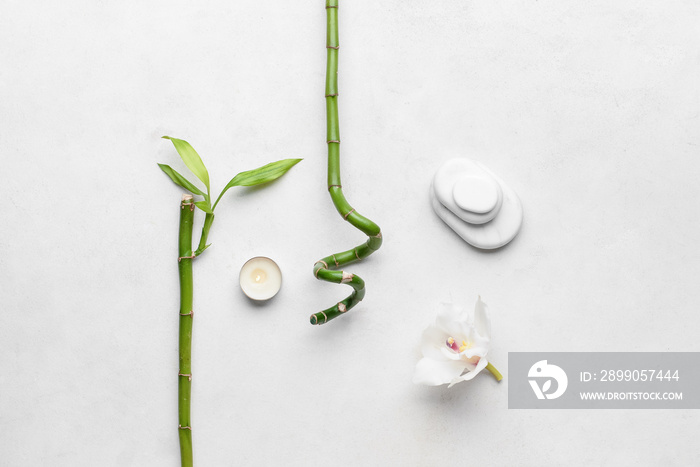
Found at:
(324, 268)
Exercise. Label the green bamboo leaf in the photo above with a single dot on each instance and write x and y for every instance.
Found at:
(264, 174)
(200, 250)
(204, 206)
(180, 180)
(191, 159)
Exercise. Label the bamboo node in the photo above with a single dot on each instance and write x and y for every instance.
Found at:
(342, 308)
(347, 277)
(185, 427)
(191, 313)
(349, 212)
(332, 95)
(357, 255)
(336, 47)
(336, 261)
(325, 266)
(332, 6)
(189, 376)
(334, 186)
(333, 141)
(379, 235)
(325, 318)
(180, 258)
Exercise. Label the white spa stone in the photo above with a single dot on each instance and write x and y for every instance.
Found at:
(473, 203)
(476, 194)
(489, 235)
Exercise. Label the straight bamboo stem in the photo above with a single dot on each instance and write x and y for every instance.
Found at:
(323, 267)
(186, 317)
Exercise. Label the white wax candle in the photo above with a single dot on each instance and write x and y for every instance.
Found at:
(260, 278)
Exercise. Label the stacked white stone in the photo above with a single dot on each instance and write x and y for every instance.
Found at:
(476, 204)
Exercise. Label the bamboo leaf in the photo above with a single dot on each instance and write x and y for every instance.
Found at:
(200, 250)
(264, 174)
(204, 206)
(191, 159)
(180, 180)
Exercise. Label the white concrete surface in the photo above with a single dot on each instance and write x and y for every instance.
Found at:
(588, 109)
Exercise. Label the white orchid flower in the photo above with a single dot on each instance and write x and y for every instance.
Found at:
(455, 348)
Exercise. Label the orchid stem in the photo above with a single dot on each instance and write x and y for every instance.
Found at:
(184, 387)
(323, 267)
(496, 374)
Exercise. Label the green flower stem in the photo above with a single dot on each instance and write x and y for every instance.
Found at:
(496, 374)
(323, 267)
(186, 316)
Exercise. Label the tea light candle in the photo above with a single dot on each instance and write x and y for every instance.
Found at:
(260, 278)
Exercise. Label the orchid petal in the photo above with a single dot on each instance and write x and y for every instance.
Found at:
(432, 342)
(436, 372)
(470, 374)
(476, 351)
(453, 321)
(482, 322)
(449, 354)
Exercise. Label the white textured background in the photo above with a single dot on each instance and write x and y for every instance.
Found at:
(588, 109)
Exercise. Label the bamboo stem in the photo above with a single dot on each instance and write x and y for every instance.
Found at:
(208, 221)
(186, 317)
(323, 267)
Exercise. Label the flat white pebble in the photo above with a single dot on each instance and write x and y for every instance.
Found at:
(449, 174)
(475, 194)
